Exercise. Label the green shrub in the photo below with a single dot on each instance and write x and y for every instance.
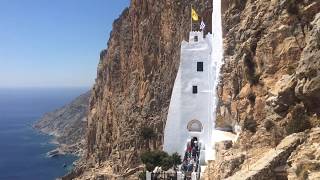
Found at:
(166, 163)
(153, 159)
(150, 167)
(156, 158)
(176, 159)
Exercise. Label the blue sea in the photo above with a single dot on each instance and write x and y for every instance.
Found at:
(22, 149)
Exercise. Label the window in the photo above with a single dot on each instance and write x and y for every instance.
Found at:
(200, 66)
(194, 89)
(195, 38)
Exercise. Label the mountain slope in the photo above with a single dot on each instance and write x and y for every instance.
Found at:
(135, 79)
(269, 82)
(67, 124)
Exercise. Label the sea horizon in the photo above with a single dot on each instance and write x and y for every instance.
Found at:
(24, 152)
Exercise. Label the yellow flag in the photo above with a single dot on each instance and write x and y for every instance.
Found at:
(194, 15)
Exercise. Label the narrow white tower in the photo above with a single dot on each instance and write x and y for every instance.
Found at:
(191, 107)
(194, 97)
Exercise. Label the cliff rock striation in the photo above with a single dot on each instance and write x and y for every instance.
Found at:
(134, 81)
(269, 85)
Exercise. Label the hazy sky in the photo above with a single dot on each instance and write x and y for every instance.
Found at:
(50, 43)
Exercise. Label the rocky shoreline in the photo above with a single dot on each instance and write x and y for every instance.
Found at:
(66, 125)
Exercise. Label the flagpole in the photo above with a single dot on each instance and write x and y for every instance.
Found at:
(204, 26)
(191, 18)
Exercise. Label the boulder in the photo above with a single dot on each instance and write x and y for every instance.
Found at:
(304, 163)
(264, 167)
(226, 167)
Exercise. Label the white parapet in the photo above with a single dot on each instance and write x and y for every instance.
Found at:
(180, 175)
(148, 175)
(194, 176)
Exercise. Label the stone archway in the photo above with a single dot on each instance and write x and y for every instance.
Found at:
(194, 126)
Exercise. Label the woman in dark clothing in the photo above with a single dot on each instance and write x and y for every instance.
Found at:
(193, 140)
(194, 152)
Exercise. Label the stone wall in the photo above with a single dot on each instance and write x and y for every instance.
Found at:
(269, 82)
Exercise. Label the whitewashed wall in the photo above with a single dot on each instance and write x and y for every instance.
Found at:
(186, 106)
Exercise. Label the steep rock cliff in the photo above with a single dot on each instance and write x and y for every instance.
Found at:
(270, 80)
(269, 83)
(135, 78)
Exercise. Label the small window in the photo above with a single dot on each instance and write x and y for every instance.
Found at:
(200, 66)
(195, 38)
(194, 89)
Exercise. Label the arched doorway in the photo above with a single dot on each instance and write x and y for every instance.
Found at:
(194, 126)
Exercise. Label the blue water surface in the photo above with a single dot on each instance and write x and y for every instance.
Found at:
(22, 149)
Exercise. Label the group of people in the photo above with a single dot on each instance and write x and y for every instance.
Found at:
(191, 157)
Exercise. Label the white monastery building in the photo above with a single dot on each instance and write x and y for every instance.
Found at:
(191, 107)
(194, 98)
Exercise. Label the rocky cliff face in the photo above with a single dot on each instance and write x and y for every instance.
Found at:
(67, 125)
(270, 69)
(269, 85)
(135, 79)
(269, 82)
